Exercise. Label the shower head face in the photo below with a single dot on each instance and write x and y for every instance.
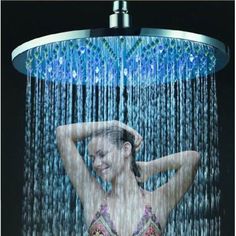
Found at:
(122, 60)
(116, 60)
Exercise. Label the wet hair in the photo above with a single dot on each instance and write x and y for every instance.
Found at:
(118, 137)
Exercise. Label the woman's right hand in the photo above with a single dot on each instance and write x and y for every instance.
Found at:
(137, 137)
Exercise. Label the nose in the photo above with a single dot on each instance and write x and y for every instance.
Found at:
(97, 163)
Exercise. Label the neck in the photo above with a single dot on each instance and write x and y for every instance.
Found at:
(124, 185)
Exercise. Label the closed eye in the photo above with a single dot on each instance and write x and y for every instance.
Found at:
(101, 154)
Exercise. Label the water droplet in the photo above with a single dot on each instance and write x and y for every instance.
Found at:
(110, 76)
(171, 51)
(96, 70)
(60, 60)
(71, 44)
(125, 72)
(137, 58)
(191, 58)
(36, 54)
(206, 53)
(157, 41)
(82, 50)
(49, 69)
(153, 44)
(57, 47)
(197, 48)
(161, 48)
(28, 63)
(122, 38)
(172, 43)
(74, 74)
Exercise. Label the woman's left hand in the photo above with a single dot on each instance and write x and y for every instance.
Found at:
(138, 141)
(137, 137)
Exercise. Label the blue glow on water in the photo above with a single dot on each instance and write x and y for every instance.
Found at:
(70, 61)
(169, 97)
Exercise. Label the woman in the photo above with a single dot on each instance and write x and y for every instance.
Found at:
(126, 209)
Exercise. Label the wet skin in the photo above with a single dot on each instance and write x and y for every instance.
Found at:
(108, 160)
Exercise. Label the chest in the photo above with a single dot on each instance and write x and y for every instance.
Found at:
(127, 218)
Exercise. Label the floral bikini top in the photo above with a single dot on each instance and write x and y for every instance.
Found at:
(102, 225)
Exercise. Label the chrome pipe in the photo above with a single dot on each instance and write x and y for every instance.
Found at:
(120, 18)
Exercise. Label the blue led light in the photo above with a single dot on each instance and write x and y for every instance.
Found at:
(169, 58)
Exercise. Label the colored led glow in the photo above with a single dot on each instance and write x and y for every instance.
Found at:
(156, 60)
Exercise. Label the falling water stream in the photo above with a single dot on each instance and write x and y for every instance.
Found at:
(163, 88)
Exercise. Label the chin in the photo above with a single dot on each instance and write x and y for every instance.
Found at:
(106, 178)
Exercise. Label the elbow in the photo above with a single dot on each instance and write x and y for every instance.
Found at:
(193, 157)
(60, 134)
(63, 133)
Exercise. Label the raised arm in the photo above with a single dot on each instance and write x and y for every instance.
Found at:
(85, 185)
(185, 164)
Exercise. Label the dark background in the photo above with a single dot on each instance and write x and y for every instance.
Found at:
(23, 21)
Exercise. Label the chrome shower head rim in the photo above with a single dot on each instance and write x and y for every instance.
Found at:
(19, 54)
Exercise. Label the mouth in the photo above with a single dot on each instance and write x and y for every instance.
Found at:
(103, 170)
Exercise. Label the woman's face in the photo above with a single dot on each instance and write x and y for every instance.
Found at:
(108, 160)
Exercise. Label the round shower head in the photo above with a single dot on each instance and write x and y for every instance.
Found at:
(84, 56)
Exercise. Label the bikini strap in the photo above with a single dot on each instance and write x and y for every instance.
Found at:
(148, 212)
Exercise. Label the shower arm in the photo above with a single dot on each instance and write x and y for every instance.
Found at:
(120, 18)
